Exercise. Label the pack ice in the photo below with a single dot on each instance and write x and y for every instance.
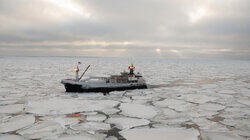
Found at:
(127, 123)
(138, 110)
(210, 96)
(15, 123)
(54, 105)
(160, 133)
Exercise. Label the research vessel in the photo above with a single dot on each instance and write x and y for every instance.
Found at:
(123, 81)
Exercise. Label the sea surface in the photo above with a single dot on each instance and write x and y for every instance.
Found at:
(187, 99)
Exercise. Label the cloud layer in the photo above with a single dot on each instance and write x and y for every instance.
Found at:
(132, 28)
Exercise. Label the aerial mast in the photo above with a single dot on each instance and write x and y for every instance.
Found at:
(131, 69)
(76, 70)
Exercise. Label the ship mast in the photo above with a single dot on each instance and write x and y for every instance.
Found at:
(76, 70)
(131, 69)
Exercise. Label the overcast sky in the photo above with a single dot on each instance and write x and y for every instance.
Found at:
(126, 28)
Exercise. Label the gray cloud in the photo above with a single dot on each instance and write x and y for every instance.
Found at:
(159, 28)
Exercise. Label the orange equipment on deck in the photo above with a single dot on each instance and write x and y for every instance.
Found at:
(131, 67)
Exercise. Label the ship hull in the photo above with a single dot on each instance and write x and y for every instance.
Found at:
(78, 88)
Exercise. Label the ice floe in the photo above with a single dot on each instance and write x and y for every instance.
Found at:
(110, 111)
(200, 113)
(244, 101)
(66, 106)
(213, 127)
(11, 109)
(63, 120)
(205, 85)
(219, 136)
(126, 100)
(225, 99)
(90, 113)
(43, 129)
(198, 98)
(78, 137)
(6, 102)
(147, 97)
(137, 110)
(169, 113)
(98, 117)
(178, 105)
(203, 123)
(211, 107)
(126, 123)
(111, 138)
(162, 103)
(83, 136)
(160, 133)
(244, 133)
(11, 137)
(91, 126)
(139, 102)
(176, 122)
(231, 92)
(236, 112)
(15, 123)
(4, 116)
(231, 121)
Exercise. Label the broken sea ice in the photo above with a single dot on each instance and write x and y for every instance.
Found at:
(43, 129)
(138, 110)
(11, 137)
(53, 106)
(15, 123)
(160, 133)
(11, 109)
(90, 126)
(126, 123)
(219, 136)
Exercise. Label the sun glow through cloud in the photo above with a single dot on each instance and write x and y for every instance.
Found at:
(158, 50)
(197, 14)
(71, 7)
